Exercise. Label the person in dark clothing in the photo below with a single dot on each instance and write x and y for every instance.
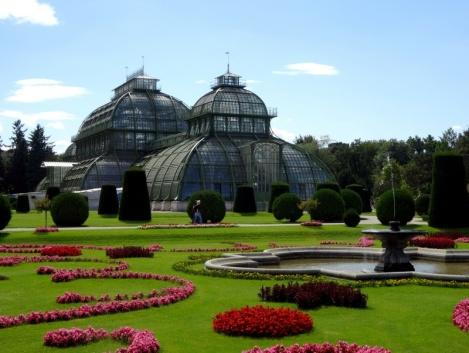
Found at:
(196, 213)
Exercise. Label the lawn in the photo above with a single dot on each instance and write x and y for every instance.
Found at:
(406, 318)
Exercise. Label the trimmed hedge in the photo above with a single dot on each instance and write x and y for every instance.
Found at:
(135, 201)
(5, 211)
(449, 205)
(351, 218)
(52, 191)
(286, 206)
(22, 204)
(212, 206)
(245, 200)
(277, 189)
(364, 194)
(69, 209)
(405, 207)
(330, 186)
(422, 204)
(331, 206)
(352, 200)
(108, 201)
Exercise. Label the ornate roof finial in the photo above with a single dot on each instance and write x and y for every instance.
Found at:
(228, 62)
(143, 65)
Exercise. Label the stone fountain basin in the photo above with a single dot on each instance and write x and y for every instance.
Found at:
(253, 262)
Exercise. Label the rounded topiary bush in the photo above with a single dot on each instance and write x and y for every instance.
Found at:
(212, 206)
(286, 206)
(52, 191)
(245, 200)
(331, 186)
(422, 204)
(449, 205)
(405, 207)
(108, 201)
(331, 206)
(352, 200)
(69, 209)
(135, 201)
(5, 211)
(277, 189)
(22, 204)
(364, 194)
(351, 218)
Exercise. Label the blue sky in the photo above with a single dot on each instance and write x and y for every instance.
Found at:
(347, 69)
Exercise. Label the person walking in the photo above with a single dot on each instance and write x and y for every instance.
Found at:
(196, 213)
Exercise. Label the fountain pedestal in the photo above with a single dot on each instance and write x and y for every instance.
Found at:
(394, 242)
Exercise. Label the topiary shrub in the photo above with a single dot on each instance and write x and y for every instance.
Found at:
(5, 211)
(331, 186)
(331, 206)
(245, 200)
(212, 206)
(405, 207)
(22, 204)
(135, 201)
(351, 218)
(449, 199)
(108, 201)
(364, 194)
(422, 204)
(352, 200)
(286, 206)
(69, 209)
(52, 191)
(277, 189)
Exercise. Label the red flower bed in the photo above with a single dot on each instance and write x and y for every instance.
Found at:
(432, 242)
(236, 247)
(312, 224)
(46, 229)
(139, 341)
(60, 251)
(261, 321)
(312, 295)
(341, 347)
(128, 251)
(461, 315)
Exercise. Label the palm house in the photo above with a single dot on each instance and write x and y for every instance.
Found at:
(223, 142)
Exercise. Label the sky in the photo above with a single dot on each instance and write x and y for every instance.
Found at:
(362, 69)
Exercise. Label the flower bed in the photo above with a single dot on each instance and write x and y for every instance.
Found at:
(128, 251)
(187, 225)
(139, 341)
(432, 242)
(461, 315)
(363, 242)
(312, 224)
(341, 347)
(462, 240)
(236, 247)
(46, 229)
(261, 321)
(60, 251)
(37, 248)
(314, 294)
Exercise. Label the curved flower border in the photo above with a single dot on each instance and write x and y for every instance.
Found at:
(340, 347)
(139, 341)
(461, 315)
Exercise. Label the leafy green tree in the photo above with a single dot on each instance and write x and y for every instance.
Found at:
(40, 150)
(17, 166)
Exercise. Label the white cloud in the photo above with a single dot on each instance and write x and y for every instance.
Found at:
(284, 134)
(54, 119)
(31, 11)
(61, 145)
(250, 82)
(457, 128)
(42, 89)
(201, 82)
(308, 69)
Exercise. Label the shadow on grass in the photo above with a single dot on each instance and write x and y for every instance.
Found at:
(4, 235)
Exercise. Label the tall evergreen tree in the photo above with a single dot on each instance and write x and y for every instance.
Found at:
(40, 149)
(2, 170)
(16, 173)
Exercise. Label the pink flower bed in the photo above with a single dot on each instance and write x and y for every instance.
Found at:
(36, 248)
(139, 341)
(46, 229)
(262, 321)
(312, 224)
(363, 242)
(341, 347)
(188, 225)
(461, 315)
(236, 247)
(105, 305)
(462, 240)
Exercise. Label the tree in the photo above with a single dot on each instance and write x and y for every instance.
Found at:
(16, 174)
(2, 170)
(40, 149)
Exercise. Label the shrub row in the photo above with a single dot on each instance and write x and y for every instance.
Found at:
(128, 251)
(314, 294)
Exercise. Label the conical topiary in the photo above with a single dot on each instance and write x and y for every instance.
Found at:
(135, 201)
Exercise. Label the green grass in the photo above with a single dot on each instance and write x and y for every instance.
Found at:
(403, 319)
